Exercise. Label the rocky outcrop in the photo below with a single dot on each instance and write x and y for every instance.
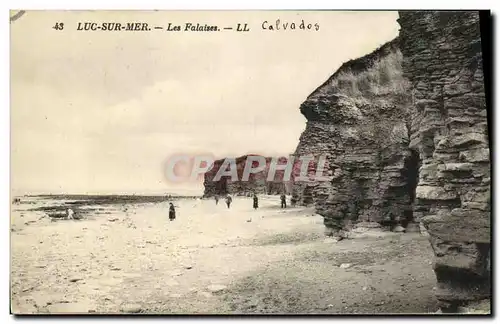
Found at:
(405, 133)
(442, 59)
(257, 182)
(359, 119)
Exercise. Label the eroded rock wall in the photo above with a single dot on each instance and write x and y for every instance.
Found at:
(257, 182)
(443, 61)
(359, 118)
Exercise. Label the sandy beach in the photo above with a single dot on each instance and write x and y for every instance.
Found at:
(132, 259)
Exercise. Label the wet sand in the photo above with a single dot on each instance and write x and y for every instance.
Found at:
(212, 260)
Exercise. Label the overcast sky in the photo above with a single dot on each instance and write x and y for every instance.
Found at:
(100, 112)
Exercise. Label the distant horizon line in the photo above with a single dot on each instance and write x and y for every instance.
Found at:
(109, 194)
(33, 193)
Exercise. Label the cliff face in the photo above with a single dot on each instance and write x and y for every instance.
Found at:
(359, 118)
(443, 61)
(405, 133)
(257, 182)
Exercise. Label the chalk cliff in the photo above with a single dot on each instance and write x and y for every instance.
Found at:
(359, 118)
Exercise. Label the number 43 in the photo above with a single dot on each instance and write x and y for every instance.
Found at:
(58, 26)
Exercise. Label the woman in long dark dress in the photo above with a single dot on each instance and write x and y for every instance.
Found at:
(255, 202)
(171, 212)
(228, 200)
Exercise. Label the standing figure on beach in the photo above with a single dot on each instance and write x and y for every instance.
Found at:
(229, 200)
(171, 212)
(69, 213)
(283, 201)
(255, 202)
(216, 199)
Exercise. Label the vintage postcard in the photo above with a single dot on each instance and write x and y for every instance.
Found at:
(250, 162)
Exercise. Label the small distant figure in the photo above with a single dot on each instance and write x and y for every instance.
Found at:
(16, 201)
(229, 200)
(70, 213)
(171, 212)
(255, 202)
(283, 201)
(216, 199)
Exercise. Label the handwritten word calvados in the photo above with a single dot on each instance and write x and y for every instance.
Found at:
(289, 25)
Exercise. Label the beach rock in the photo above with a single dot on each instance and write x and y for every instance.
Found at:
(75, 279)
(216, 288)
(113, 219)
(345, 265)
(131, 308)
(399, 229)
(67, 308)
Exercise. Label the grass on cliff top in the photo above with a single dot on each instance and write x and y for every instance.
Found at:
(382, 95)
(384, 77)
